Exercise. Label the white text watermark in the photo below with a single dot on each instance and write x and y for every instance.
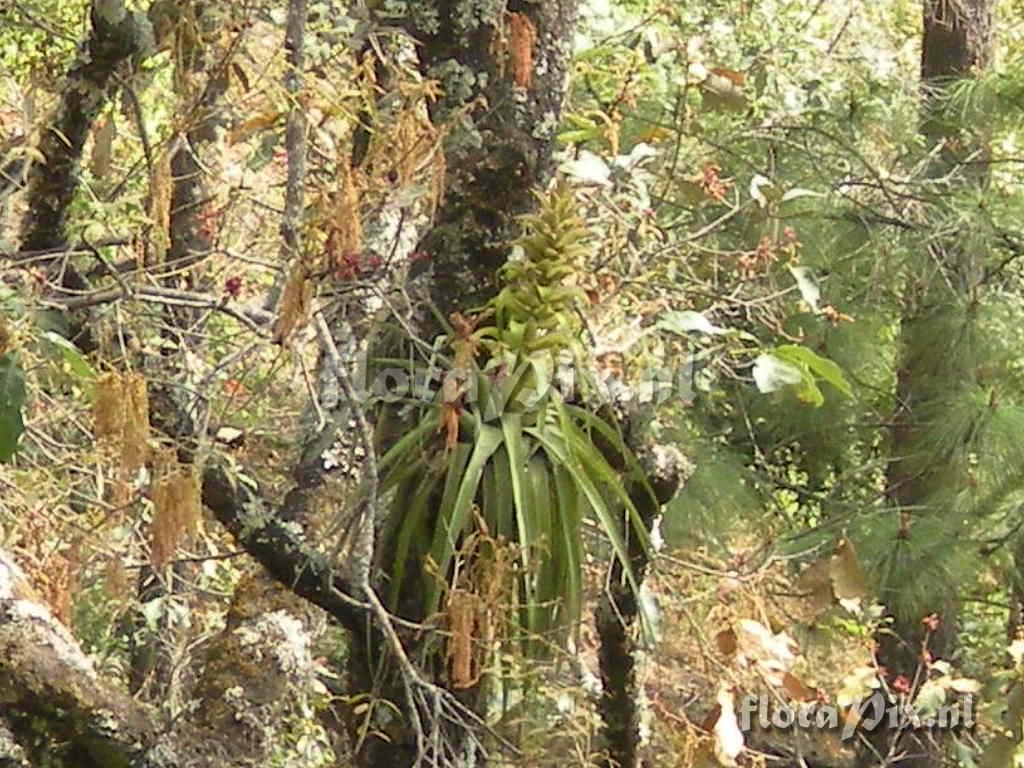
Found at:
(869, 714)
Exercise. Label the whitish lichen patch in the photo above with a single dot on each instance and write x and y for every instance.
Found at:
(6, 582)
(12, 578)
(53, 633)
(290, 641)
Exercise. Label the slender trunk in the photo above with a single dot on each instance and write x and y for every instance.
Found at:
(116, 37)
(202, 83)
(927, 465)
(617, 626)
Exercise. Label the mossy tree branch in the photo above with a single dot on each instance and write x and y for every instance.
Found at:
(118, 37)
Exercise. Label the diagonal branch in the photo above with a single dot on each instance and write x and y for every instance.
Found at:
(117, 36)
(295, 563)
(46, 678)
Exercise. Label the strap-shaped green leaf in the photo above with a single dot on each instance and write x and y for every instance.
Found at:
(411, 527)
(398, 453)
(571, 528)
(512, 431)
(561, 455)
(597, 467)
(504, 523)
(542, 511)
(452, 519)
(615, 439)
(12, 400)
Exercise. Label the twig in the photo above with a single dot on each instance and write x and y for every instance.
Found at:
(295, 147)
(125, 288)
(251, 317)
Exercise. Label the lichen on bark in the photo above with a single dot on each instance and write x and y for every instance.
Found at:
(495, 157)
(117, 37)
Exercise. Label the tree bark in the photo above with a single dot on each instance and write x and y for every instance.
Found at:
(117, 36)
(616, 619)
(957, 42)
(61, 713)
(499, 151)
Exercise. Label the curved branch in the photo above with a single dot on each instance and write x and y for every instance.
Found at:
(293, 562)
(45, 677)
(117, 35)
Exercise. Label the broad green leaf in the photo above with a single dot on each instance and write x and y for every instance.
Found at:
(72, 356)
(541, 513)
(579, 136)
(820, 366)
(598, 468)
(12, 400)
(784, 368)
(453, 518)
(504, 391)
(490, 496)
(930, 696)
(615, 440)
(772, 374)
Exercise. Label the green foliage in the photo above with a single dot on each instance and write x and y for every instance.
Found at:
(801, 368)
(520, 464)
(535, 308)
(40, 37)
(12, 400)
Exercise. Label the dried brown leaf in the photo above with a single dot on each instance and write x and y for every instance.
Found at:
(103, 147)
(847, 577)
(296, 304)
(522, 37)
(725, 641)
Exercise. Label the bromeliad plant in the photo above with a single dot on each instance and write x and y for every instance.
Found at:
(502, 451)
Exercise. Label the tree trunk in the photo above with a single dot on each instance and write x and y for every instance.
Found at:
(504, 79)
(926, 465)
(616, 620)
(116, 37)
(60, 712)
